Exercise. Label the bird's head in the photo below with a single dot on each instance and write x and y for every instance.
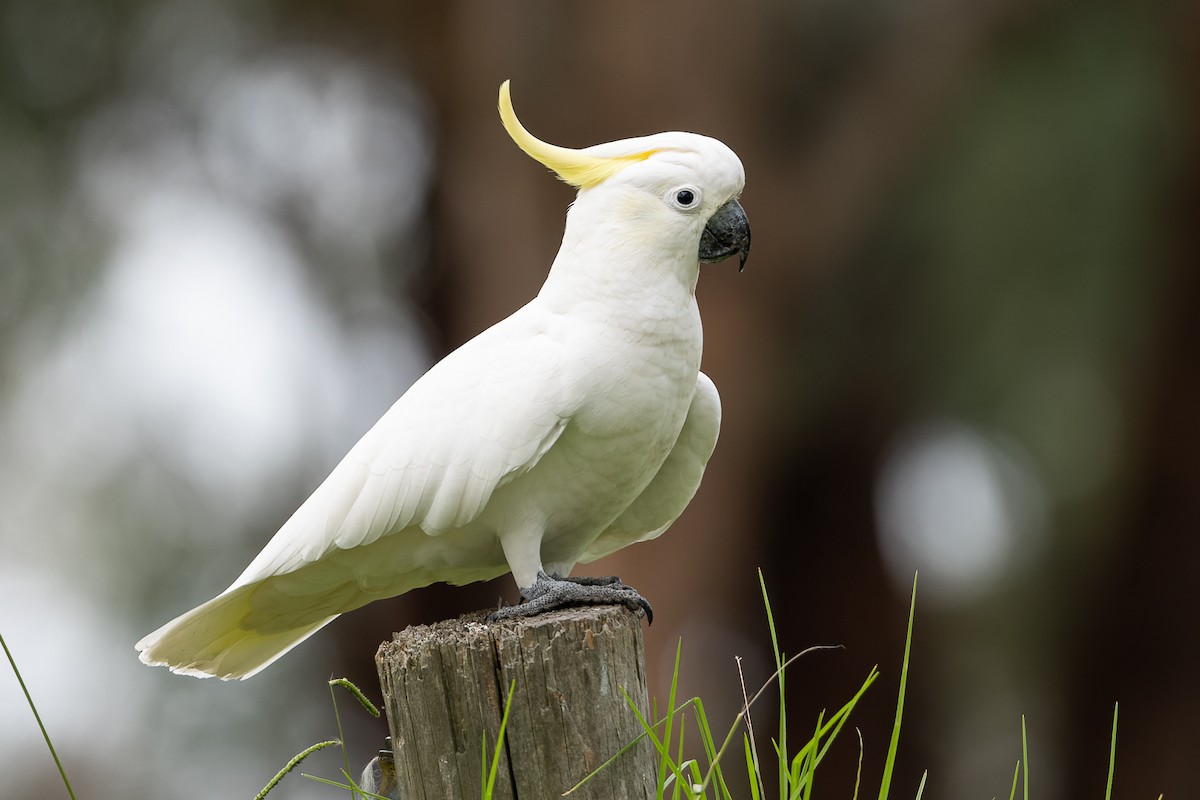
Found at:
(674, 186)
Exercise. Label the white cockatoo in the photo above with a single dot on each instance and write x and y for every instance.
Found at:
(576, 426)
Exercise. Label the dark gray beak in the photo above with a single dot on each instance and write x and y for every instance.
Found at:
(727, 232)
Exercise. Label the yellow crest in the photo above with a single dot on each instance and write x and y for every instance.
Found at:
(572, 166)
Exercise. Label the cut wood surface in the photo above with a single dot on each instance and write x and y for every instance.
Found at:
(445, 685)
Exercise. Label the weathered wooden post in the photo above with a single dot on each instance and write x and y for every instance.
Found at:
(445, 685)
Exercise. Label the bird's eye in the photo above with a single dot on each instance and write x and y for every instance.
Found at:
(684, 198)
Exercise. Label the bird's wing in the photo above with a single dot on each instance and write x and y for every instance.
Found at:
(482, 416)
(479, 418)
(675, 483)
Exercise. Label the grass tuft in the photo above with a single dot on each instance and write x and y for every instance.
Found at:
(488, 769)
(686, 779)
(350, 785)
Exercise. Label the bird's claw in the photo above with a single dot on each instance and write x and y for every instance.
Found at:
(549, 593)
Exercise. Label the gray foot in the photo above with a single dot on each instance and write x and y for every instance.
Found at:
(593, 580)
(548, 594)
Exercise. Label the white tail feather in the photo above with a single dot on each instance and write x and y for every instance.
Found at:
(211, 640)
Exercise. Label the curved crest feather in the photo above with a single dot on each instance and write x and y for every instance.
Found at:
(576, 167)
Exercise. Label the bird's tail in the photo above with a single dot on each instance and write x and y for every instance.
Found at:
(213, 639)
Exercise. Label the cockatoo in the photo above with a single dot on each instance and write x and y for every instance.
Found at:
(576, 426)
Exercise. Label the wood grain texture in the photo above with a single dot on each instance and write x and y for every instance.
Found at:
(444, 687)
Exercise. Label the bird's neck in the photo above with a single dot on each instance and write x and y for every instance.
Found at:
(612, 267)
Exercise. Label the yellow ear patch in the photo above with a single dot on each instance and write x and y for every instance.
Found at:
(572, 166)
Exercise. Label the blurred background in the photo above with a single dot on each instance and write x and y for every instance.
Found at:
(967, 343)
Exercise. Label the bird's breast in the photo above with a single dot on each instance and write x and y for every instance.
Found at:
(636, 375)
(627, 376)
(633, 390)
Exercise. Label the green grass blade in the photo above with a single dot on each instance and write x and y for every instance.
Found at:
(647, 728)
(843, 714)
(781, 742)
(358, 695)
(810, 769)
(38, 717)
(679, 784)
(363, 701)
(762, 582)
(663, 746)
(745, 712)
(889, 764)
(751, 769)
(613, 758)
(816, 749)
(350, 786)
(1112, 755)
(710, 751)
(1016, 774)
(921, 787)
(781, 746)
(664, 753)
(799, 768)
(327, 782)
(1025, 758)
(291, 765)
(358, 791)
(338, 718)
(643, 735)
(490, 786)
(756, 772)
(694, 777)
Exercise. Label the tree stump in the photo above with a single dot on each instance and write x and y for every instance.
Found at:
(445, 686)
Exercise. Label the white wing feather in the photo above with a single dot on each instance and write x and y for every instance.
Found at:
(483, 415)
(479, 418)
(675, 483)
